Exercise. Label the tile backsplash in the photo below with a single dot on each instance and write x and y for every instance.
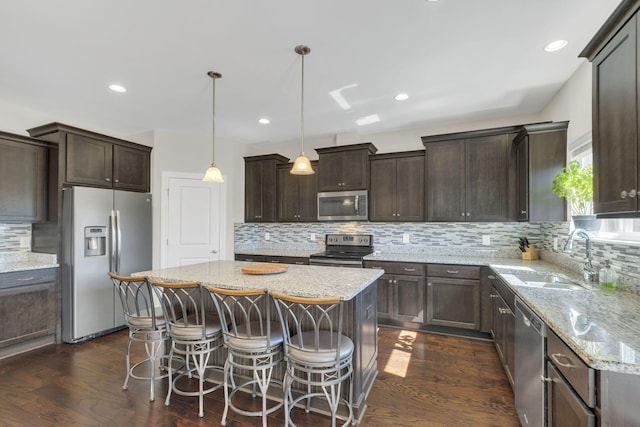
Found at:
(464, 239)
(15, 237)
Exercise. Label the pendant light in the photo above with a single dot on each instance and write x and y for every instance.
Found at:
(302, 166)
(213, 174)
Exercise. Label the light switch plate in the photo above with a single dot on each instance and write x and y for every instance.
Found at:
(406, 238)
(486, 240)
(312, 237)
(24, 242)
(555, 244)
(267, 236)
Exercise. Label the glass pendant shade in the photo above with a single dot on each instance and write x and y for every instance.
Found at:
(302, 166)
(213, 174)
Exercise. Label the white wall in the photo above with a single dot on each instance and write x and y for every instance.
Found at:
(573, 103)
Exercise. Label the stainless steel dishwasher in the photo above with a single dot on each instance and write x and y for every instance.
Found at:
(529, 384)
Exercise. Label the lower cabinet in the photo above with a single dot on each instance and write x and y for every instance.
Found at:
(400, 291)
(27, 310)
(503, 324)
(453, 296)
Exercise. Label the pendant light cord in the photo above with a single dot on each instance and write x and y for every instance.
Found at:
(213, 124)
(302, 108)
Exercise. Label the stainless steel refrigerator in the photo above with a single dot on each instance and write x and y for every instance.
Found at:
(103, 230)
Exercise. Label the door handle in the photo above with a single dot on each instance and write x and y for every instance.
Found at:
(556, 358)
(214, 251)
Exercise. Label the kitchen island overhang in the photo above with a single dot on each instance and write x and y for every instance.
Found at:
(356, 287)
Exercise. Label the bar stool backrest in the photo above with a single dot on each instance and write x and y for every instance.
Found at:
(312, 325)
(245, 316)
(136, 297)
(183, 307)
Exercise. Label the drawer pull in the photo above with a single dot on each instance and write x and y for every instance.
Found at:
(453, 271)
(409, 269)
(300, 263)
(545, 379)
(493, 296)
(22, 279)
(568, 362)
(275, 260)
(491, 277)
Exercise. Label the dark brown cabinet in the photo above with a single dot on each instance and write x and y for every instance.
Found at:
(503, 324)
(615, 111)
(297, 195)
(27, 309)
(260, 187)
(453, 296)
(23, 172)
(540, 153)
(95, 160)
(400, 291)
(397, 187)
(344, 168)
(467, 176)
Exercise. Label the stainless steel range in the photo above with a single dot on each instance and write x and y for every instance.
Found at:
(344, 250)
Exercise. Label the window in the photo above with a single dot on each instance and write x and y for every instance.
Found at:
(625, 230)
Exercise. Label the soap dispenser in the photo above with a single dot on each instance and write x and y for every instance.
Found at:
(608, 276)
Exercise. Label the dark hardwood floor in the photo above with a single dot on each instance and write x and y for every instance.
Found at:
(424, 380)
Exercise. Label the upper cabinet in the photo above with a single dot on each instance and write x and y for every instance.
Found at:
(397, 187)
(23, 170)
(344, 167)
(613, 52)
(540, 153)
(467, 176)
(260, 187)
(297, 195)
(96, 160)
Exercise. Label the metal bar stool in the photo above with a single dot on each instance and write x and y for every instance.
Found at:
(195, 334)
(254, 346)
(318, 355)
(144, 326)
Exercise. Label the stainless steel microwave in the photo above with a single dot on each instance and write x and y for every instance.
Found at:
(343, 206)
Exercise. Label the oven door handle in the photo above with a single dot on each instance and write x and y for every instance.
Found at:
(357, 205)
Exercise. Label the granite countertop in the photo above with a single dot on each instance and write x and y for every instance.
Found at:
(304, 253)
(23, 261)
(601, 326)
(298, 280)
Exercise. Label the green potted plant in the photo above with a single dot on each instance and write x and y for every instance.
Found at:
(575, 183)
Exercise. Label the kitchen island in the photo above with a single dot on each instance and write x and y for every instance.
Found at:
(357, 287)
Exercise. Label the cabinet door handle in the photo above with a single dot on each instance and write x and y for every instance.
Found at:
(556, 358)
(523, 212)
(115, 180)
(214, 251)
(452, 271)
(545, 379)
(631, 194)
(107, 179)
(462, 213)
(491, 277)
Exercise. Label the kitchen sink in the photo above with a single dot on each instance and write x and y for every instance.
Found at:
(549, 281)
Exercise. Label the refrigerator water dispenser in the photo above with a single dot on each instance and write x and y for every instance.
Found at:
(95, 241)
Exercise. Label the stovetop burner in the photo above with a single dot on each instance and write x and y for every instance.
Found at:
(344, 249)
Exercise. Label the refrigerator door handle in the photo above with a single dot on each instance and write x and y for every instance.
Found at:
(119, 242)
(112, 242)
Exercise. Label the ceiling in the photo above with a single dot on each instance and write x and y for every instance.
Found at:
(459, 60)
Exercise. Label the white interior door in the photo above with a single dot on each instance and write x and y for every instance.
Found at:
(194, 220)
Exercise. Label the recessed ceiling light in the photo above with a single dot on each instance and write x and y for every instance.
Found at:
(555, 45)
(117, 88)
(264, 121)
(401, 97)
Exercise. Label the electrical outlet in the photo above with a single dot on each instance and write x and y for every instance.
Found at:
(555, 244)
(312, 237)
(406, 238)
(25, 242)
(267, 236)
(486, 240)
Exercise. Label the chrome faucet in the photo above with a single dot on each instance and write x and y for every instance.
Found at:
(588, 272)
